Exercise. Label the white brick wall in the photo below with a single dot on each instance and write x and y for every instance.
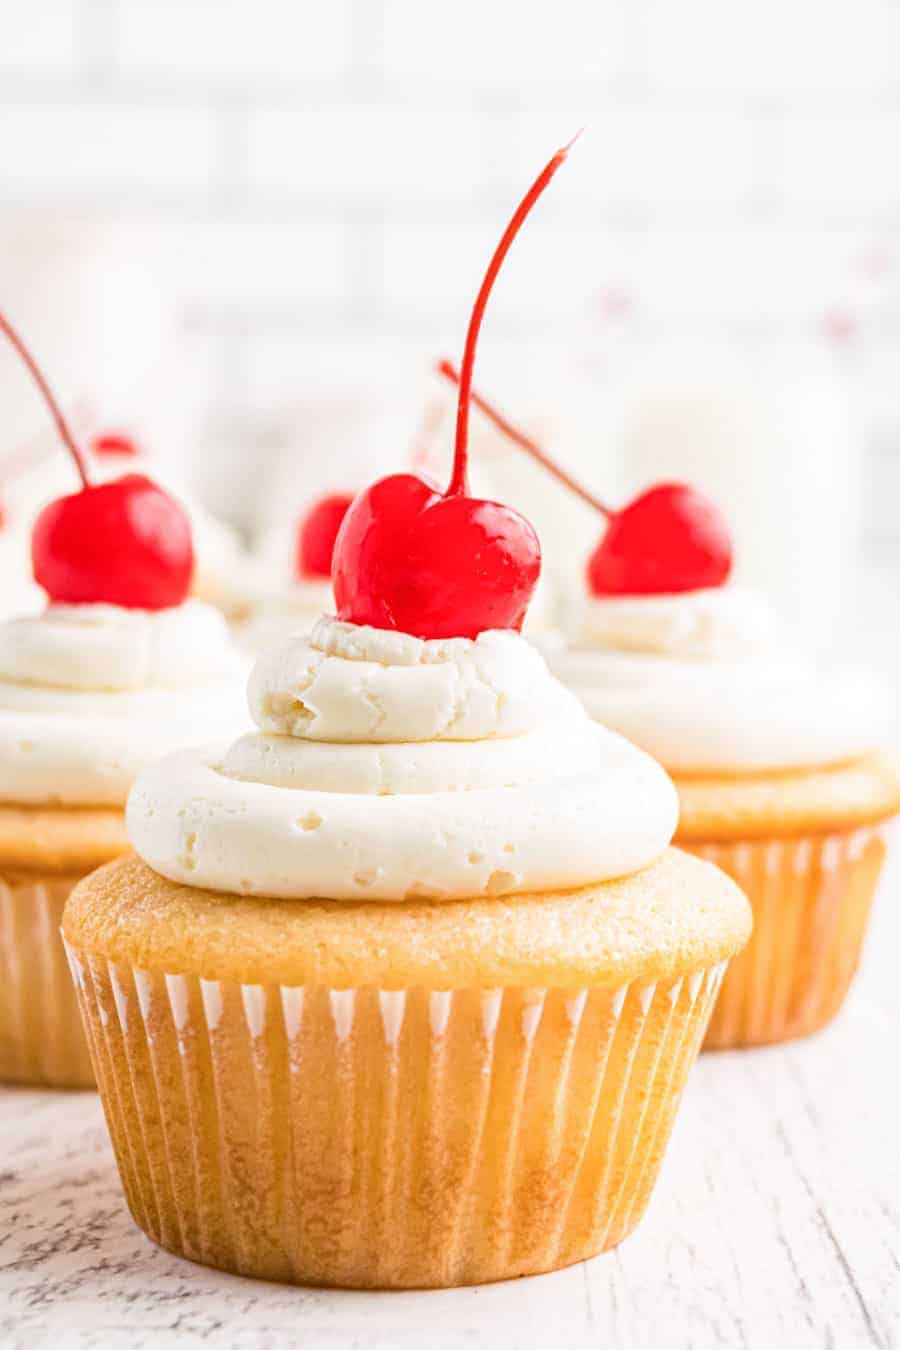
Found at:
(330, 177)
(221, 42)
(100, 151)
(368, 152)
(42, 42)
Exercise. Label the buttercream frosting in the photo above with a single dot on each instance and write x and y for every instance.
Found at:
(90, 694)
(705, 683)
(387, 767)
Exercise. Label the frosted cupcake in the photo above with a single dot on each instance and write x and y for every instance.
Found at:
(779, 775)
(402, 991)
(421, 936)
(116, 672)
(777, 762)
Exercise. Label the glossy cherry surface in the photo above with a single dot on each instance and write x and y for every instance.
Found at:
(121, 543)
(671, 538)
(441, 564)
(412, 558)
(125, 542)
(316, 534)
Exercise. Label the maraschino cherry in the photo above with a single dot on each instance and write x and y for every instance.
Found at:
(125, 542)
(670, 538)
(441, 564)
(316, 535)
(114, 445)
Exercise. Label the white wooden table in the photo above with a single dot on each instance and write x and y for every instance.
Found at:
(775, 1225)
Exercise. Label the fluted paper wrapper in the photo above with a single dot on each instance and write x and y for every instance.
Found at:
(387, 1138)
(41, 1039)
(811, 899)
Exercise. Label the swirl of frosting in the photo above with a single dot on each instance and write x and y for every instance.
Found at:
(105, 647)
(90, 694)
(346, 683)
(388, 768)
(698, 681)
(709, 624)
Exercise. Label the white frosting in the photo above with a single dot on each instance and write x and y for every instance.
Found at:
(720, 622)
(699, 681)
(90, 694)
(389, 768)
(346, 683)
(105, 647)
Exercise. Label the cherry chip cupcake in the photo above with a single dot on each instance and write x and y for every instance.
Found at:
(403, 989)
(118, 669)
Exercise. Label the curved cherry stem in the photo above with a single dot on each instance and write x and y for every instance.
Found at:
(458, 482)
(525, 442)
(49, 398)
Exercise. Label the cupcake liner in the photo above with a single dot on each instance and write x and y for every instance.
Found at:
(811, 898)
(41, 1039)
(387, 1138)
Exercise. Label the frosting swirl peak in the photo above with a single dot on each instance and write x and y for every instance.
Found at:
(349, 683)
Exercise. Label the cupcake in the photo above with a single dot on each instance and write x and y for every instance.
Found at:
(777, 762)
(402, 990)
(780, 779)
(118, 669)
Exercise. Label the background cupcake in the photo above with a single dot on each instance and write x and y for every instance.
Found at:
(776, 761)
(119, 668)
(779, 774)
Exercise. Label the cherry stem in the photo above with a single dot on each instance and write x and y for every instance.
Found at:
(459, 482)
(525, 442)
(49, 398)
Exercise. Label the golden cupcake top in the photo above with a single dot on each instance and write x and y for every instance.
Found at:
(674, 918)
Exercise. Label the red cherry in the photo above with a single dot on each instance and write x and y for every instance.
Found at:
(434, 564)
(125, 542)
(316, 534)
(114, 445)
(670, 538)
(412, 558)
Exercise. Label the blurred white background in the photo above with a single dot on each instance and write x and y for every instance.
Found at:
(245, 231)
